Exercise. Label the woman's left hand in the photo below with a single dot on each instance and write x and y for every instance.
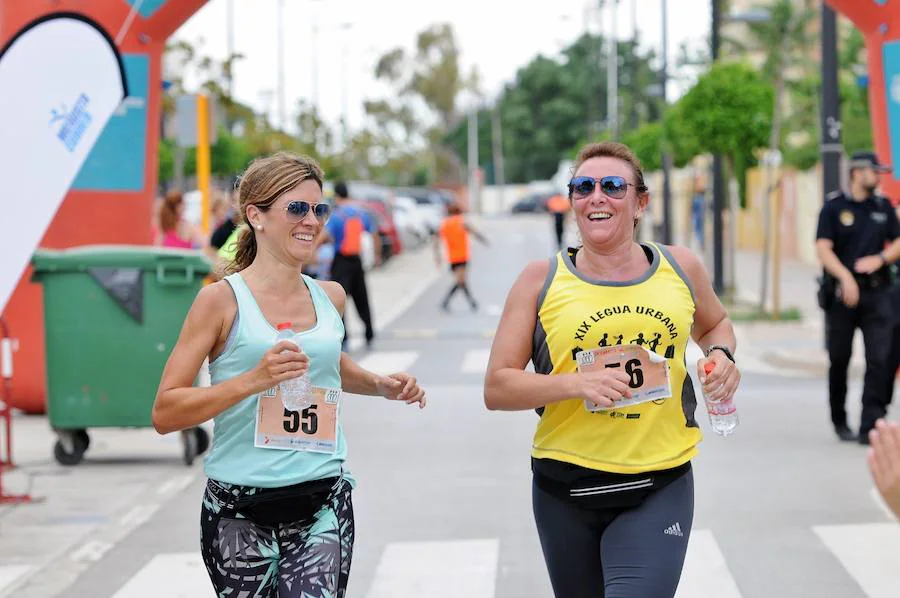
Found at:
(401, 387)
(722, 382)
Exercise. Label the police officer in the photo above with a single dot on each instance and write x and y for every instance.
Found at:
(894, 360)
(858, 237)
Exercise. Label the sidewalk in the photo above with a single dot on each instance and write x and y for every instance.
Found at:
(393, 288)
(794, 345)
(129, 474)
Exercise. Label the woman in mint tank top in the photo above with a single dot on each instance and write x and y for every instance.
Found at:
(277, 516)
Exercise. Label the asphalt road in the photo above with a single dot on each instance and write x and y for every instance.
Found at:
(443, 502)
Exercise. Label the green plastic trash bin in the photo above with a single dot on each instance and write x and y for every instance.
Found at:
(112, 314)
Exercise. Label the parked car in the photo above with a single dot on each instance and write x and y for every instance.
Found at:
(413, 222)
(391, 244)
(531, 203)
(431, 202)
(367, 191)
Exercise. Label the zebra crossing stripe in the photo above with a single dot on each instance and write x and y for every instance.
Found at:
(388, 362)
(868, 551)
(10, 574)
(706, 573)
(448, 569)
(437, 570)
(475, 361)
(173, 575)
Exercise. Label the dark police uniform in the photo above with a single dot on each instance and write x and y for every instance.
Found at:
(858, 229)
(894, 360)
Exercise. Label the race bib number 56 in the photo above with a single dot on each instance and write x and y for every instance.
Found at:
(311, 429)
(648, 372)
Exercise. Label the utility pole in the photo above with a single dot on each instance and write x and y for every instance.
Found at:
(229, 25)
(635, 117)
(282, 110)
(830, 111)
(497, 139)
(315, 60)
(717, 182)
(344, 83)
(473, 157)
(666, 158)
(612, 74)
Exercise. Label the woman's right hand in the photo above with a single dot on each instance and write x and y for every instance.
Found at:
(602, 387)
(285, 360)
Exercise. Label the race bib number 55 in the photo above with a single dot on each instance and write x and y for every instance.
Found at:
(648, 372)
(311, 429)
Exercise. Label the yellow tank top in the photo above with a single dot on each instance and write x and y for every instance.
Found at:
(655, 311)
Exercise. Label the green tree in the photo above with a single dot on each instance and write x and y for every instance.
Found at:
(784, 39)
(646, 142)
(727, 112)
(228, 155)
(554, 106)
(857, 125)
(430, 77)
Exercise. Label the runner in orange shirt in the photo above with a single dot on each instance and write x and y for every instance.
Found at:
(559, 207)
(454, 232)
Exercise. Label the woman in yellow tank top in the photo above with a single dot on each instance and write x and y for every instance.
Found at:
(606, 325)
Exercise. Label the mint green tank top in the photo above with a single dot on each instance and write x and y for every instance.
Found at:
(233, 458)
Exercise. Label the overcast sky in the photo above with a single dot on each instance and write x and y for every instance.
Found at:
(499, 36)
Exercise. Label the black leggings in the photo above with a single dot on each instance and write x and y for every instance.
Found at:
(308, 559)
(616, 553)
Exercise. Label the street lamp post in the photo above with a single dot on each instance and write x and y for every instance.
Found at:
(612, 73)
(717, 182)
(229, 25)
(344, 27)
(474, 203)
(666, 157)
(831, 110)
(282, 110)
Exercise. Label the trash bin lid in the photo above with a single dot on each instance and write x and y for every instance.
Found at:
(145, 257)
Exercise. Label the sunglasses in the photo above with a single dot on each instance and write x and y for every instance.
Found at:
(613, 186)
(297, 210)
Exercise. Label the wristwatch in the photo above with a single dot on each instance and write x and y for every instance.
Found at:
(723, 349)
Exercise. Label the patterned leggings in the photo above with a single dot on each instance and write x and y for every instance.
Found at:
(308, 558)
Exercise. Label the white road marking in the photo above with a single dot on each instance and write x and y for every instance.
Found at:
(706, 573)
(9, 574)
(493, 310)
(415, 333)
(437, 570)
(175, 575)
(388, 362)
(868, 551)
(92, 551)
(138, 515)
(475, 361)
(175, 484)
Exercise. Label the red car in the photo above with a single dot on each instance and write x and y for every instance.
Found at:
(390, 238)
(376, 199)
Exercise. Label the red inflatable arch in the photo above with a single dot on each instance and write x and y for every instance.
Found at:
(879, 22)
(111, 199)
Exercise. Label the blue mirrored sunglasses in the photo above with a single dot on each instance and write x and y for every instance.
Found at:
(613, 186)
(297, 210)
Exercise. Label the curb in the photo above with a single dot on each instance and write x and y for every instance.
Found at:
(783, 358)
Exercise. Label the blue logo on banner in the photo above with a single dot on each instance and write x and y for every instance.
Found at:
(74, 122)
(117, 161)
(891, 58)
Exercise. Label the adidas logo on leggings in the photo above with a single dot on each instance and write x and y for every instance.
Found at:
(674, 530)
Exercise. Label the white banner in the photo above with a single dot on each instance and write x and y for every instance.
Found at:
(61, 80)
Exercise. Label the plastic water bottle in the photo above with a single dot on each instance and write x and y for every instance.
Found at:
(723, 416)
(295, 393)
